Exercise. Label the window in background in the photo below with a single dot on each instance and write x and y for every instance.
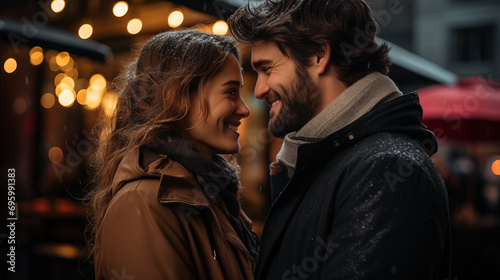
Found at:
(473, 44)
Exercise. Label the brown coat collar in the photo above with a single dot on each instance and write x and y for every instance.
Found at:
(176, 183)
(182, 187)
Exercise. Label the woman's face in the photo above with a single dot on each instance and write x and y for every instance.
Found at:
(219, 133)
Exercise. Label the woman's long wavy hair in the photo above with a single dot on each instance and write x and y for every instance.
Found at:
(155, 93)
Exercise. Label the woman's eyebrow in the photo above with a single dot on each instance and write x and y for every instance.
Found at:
(236, 83)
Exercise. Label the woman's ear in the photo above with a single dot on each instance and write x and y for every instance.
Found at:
(322, 59)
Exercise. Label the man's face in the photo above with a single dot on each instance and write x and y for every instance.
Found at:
(290, 92)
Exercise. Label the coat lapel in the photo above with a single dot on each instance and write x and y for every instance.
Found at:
(280, 214)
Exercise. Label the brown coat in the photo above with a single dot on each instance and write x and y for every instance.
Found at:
(160, 225)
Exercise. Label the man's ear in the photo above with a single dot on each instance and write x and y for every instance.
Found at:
(322, 59)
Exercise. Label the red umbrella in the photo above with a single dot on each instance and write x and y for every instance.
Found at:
(467, 112)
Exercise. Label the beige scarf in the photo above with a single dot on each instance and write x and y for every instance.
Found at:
(351, 104)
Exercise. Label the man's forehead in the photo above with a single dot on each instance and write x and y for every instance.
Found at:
(263, 45)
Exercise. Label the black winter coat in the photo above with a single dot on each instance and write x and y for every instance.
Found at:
(366, 202)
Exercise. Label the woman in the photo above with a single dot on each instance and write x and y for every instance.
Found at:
(165, 205)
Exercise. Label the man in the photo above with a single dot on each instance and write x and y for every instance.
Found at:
(354, 192)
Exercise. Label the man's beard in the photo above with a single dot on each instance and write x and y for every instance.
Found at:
(299, 104)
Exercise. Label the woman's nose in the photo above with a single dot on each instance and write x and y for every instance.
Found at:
(242, 108)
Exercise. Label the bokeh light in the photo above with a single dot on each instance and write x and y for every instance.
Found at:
(57, 6)
(93, 100)
(56, 155)
(47, 100)
(495, 167)
(62, 59)
(120, 8)
(41, 204)
(36, 56)
(19, 106)
(67, 98)
(81, 97)
(220, 27)
(134, 26)
(85, 31)
(10, 65)
(175, 19)
(69, 82)
(97, 82)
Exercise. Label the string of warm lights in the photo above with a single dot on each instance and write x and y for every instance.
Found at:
(91, 93)
(92, 96)
(134, 26)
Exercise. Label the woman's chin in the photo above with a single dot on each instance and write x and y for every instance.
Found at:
(233, 149)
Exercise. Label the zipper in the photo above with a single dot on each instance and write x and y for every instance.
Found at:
(243, 248)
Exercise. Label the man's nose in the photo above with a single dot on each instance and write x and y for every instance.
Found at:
(261, 87)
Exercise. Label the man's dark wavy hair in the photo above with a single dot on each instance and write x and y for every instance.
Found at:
(303, 26)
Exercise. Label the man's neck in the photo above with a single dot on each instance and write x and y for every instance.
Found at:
(330, 88)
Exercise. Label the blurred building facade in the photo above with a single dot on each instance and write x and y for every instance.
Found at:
(461, 35)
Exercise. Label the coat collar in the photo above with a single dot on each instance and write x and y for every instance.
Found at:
(400, 115)
(175, 182)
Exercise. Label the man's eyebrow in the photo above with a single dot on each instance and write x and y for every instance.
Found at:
(258, 64)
